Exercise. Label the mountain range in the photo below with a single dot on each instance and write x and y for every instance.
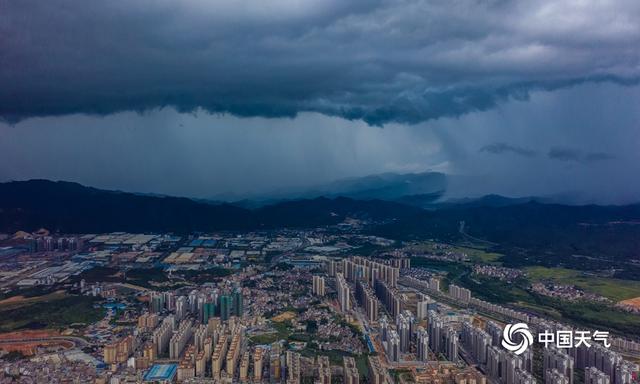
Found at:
(419, 189)
(528, 230)
(73, 208)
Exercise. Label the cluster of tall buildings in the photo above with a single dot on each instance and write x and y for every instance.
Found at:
(405, 325)
(49, 244)
(350, 371)
(367, 300)
(444, 335)
(214, 350)
(159, 301)
(407, 337)
(390, 340)
(594, 376)
(377, 374)
(558, 366)
(148, 321)
(359, 268)
(203, 331)
(204, 305)
(555, 376)
(600, 361)
(390, 297)
(163, 334)
(476, 342)
(460, 294)
(601, 365)
(119, 351)
(422, 345)
(605, 360)
(500, 365)
(443, 338)
(374, 281)
(180, 338)
(432, 283)
(424, 305)
(504, 311)
(401, 262)
(508, 368)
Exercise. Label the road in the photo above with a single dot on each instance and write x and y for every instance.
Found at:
(77, 341)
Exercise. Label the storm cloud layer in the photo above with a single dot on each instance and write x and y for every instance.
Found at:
(236, 98)
(379, 61)
(580, 142)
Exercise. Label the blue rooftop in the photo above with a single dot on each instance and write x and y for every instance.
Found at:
(161, 372)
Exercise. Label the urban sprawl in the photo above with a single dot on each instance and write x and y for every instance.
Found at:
(272, 307)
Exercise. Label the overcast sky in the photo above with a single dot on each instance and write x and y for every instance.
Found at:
(201, 98)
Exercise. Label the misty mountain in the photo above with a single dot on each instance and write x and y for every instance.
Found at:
(487, 201)
(527, 231)
(73, 208)
(417, 189)
(569, 198)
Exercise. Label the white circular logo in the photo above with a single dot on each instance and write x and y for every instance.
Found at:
(512, 332)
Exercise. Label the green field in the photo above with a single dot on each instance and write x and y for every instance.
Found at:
(494, 290)
(59, 312)
(282, 332)
(477, 253)
(594, 315)
(597, 315)
(265, 338)
(547, 311)
(614, 289)
(481, 256)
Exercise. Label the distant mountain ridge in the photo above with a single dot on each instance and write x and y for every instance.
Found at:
(489, 201)
(416, 189)
(74, 208)
(527, 231)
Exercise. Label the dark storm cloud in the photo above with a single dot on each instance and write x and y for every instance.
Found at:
(500, 148)
(205, 155)
(379, 61)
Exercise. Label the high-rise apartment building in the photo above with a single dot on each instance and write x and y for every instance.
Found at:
(344, 293)
(350, 370)
(318, 285)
